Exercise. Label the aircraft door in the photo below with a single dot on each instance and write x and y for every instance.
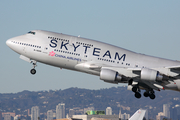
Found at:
(85, 55)
(45, 49)
(24, 50)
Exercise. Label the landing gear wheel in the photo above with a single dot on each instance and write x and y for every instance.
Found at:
(146, 94)
(33, 71)
(137, 95)
(152, 96)
(134, 89)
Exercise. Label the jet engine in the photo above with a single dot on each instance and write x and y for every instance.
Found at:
(152, 75)
(110, 76)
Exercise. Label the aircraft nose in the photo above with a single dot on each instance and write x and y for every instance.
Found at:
(8, 42)
(12, 43)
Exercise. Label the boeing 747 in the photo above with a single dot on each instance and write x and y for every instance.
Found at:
(111, 63)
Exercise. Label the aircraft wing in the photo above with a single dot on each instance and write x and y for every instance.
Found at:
(138, 115)
(175, 69)
(149, 79)
(150, 85)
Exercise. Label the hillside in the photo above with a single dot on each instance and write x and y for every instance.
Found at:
(115, 98)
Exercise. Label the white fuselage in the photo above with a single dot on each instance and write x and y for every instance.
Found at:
(85, 55)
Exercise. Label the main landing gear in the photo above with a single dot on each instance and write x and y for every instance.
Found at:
(137, 94)
(33, 70)
(149, 94)
(135, 88)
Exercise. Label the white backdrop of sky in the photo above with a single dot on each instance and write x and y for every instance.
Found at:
(148, 27)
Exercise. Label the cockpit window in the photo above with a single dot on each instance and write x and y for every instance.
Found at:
(30, 32)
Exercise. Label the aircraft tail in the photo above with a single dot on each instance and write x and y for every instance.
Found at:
(138, 115)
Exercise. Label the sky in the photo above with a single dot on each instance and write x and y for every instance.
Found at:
(148, 27)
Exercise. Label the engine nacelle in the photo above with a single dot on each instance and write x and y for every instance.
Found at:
(110, 76)
(152, 75)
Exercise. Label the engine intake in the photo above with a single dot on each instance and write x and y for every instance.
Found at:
(110, 76)
(152, 75)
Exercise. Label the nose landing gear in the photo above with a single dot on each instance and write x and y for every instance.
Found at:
(33, 71)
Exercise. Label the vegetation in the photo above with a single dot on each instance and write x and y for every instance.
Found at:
(116, 98)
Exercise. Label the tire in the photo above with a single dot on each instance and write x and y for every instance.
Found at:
(33, 71)
(134, 89)
(146, 94)
(152, 96)
(137, 95)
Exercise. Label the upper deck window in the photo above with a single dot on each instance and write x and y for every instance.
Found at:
(30, 32)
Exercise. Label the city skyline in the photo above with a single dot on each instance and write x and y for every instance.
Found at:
(167, 110)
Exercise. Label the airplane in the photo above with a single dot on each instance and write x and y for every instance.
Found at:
(111, 63)
(138, 115)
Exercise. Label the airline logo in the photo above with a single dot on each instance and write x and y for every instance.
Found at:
(52, 53)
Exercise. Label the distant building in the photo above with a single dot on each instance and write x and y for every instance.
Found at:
(125, 116)
(0, 115)
(12, 114)
(60, 111)
(49, 115)
(120, 113)
(54, 114)
(95, 117)
(160, 116)
(166, 110)
(29, 114)
(175, 112)
(71, 112)
(99, 118)
(35, 113)
(7, 116)
(108, 111)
